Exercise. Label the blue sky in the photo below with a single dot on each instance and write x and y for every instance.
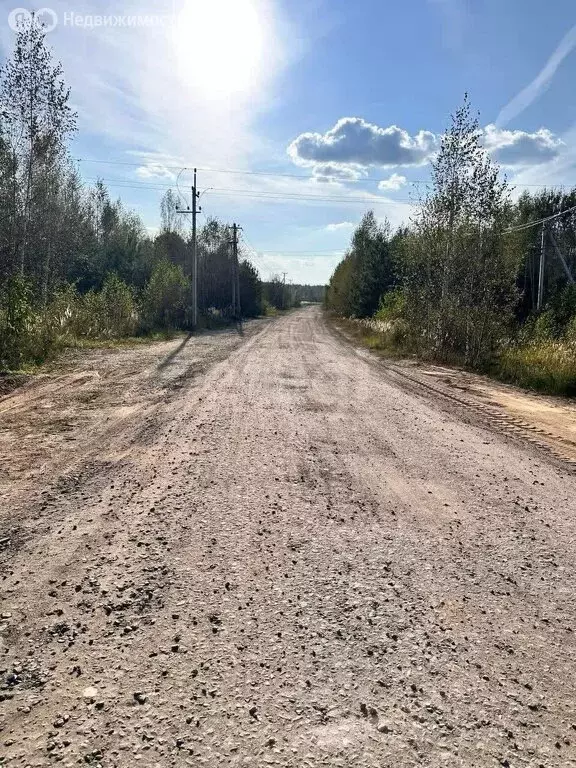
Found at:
(341, 102)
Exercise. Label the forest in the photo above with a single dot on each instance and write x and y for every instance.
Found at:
(77, 265)
(461, 283)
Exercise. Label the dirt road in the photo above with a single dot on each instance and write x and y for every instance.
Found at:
(283, 555)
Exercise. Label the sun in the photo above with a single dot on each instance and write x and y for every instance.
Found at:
(218, 45)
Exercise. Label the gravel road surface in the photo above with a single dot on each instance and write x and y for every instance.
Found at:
(283, 555)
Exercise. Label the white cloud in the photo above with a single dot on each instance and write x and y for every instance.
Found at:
(394, 182)
(355, 142)
(155, 171)
(330, 172)
(540, 83)
(560, 171)
(520, 148)
(348, 150)
(339, 226)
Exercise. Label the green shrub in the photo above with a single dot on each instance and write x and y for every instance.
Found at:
(269, 310)
(164, 298)
(107, 314)
(23, 337)
(29, 335)
(391, 305)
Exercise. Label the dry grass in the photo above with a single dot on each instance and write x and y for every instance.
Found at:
(547, 366)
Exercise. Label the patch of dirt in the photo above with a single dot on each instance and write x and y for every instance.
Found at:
(549, 422)
(95, 403)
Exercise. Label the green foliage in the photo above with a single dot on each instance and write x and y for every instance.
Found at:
(29, 334)
(164, 298)
(313, 294)
(16, 321)
(392, 306)
(172, 247)
(366, 272)
(75, 264)
(121, 316)
(534, 207)
(451, 273)
(268, 310)
(250, 290)
(457, 270)
(107, 314)
(279, 295)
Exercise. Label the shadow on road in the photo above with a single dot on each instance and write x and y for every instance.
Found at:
(169, 358)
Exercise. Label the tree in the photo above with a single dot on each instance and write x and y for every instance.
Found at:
(36, 120)
(171, 220)
(533, 207)
(372, 263)
(164, 297)
(365, 273)
(215, 266)
(458, 269)
(275, 292)
(250, 290)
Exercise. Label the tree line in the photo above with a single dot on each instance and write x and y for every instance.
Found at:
(460, 282)
(74, 263)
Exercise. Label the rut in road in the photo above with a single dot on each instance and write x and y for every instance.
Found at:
(305, 566)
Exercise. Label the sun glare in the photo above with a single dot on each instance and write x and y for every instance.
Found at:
(219, 45)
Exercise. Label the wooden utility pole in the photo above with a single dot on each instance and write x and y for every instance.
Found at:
(236, 308)
(195, 196)
(540, 299)
(195, 211)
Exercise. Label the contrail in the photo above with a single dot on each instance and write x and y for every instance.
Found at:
(540, 82)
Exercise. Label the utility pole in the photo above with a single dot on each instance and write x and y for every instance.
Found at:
(195, 211)
(195, 196)
(236, 308)
(541, 269)
(284, 302)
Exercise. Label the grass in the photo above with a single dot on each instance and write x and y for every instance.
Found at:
(376, 335)
(546, 366)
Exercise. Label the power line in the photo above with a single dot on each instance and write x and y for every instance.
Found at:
(297, 196)
(227, 191)
(529, 225)
(294, 197)
(236, 171)
(251, 251)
